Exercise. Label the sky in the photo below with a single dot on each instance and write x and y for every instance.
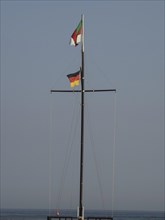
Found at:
(124, 131)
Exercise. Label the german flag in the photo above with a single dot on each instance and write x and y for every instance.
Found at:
(74, 79)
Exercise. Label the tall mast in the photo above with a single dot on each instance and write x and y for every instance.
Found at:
(82, 91)
(82, 124)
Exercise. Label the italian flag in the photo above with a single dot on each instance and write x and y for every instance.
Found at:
(76, 36)
(74, 79)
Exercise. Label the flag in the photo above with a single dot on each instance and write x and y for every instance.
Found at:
(76, 36)
(74, 79)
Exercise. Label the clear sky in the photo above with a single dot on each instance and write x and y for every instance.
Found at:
(124, 49)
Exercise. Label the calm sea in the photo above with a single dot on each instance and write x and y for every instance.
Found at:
(17, 214)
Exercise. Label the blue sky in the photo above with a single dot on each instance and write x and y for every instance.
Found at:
(124, 49)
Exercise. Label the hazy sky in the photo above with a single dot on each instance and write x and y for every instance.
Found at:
(124, 49)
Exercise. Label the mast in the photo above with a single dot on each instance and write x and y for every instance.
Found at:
(82, 124)
(82, 91)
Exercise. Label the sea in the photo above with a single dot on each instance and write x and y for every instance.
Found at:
(31, 214)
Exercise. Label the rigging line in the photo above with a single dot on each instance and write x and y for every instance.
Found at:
(72, 134)
(101, 71)
(68, 154)
(64, 170)
(74, 131)
(50, 153)
(65, 71)
(51, 122)
(114, 154)
(72, 180)
(94, 157)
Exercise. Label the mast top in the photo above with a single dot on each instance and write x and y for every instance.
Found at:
(82, 34)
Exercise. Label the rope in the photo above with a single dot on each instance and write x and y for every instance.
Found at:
(49, 167)
(69, 151)
(95, 159)
(65, 71)
(114, 156)
(49, 155)
(67, 156)
(98, 71)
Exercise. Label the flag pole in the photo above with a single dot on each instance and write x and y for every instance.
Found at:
(81, 211)
(82, 35)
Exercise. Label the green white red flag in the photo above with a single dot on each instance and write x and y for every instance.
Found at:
(77, 35)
